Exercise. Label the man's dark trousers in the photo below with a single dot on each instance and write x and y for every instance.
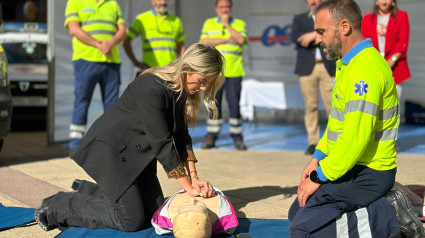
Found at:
(358, 188)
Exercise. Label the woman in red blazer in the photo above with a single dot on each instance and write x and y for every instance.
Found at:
(388, 27)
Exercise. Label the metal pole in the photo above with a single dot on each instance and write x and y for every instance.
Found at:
(51, 72)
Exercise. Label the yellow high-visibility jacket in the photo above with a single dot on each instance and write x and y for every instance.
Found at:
(364, 118)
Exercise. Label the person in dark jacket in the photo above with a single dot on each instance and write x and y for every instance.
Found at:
(316, 73)
(149, 123)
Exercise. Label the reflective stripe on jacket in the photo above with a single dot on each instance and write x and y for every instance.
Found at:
(160, 36)
(232, 52)
(100, 20)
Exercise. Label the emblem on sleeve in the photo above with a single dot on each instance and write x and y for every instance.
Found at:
(337, 97)
(361, 88)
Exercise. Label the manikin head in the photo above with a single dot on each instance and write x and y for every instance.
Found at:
(192, 220)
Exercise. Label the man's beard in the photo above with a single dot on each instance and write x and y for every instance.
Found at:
(161, 9)
(334, 48)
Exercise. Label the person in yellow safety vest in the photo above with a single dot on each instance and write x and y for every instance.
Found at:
(97, 26)
(162, 36)
(354, 164)
(228, 35)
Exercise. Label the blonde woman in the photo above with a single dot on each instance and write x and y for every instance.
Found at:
(121, 149)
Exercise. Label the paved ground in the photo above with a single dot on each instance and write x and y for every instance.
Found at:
(260, 184)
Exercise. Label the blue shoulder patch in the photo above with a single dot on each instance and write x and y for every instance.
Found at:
(361, 88)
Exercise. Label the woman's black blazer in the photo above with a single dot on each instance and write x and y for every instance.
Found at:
(146, 123)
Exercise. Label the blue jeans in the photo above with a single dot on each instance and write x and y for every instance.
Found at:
(87, 76)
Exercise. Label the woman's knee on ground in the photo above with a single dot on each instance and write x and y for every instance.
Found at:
(132, 223)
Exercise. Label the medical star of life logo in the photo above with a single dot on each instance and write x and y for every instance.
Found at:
(361, 88)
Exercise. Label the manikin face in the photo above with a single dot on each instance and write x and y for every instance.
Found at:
(385, 6)
(192, 220)
(223, 7)
(160, 6)
(312, 4)
(193, 205)
(327, 35)
(196, 83)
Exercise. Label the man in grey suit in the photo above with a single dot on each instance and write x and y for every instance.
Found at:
(314, 70)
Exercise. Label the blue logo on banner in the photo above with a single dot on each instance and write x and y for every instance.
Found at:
(281, 35)
(361, 88)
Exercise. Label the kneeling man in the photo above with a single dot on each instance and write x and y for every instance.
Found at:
(354, 164)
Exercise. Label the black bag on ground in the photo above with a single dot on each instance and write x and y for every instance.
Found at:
(415, 113)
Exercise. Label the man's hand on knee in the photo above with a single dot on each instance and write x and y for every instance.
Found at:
(305, 190)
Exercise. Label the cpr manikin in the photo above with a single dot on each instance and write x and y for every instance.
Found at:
(192, 220)
(193, 217)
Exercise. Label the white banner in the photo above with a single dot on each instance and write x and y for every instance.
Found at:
(270, 47)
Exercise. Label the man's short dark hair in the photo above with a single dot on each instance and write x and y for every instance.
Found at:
(342, 9)
(216, 2)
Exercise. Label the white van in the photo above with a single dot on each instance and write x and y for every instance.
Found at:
(25, 45)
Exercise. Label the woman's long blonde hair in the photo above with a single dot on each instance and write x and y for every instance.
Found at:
(200, 59)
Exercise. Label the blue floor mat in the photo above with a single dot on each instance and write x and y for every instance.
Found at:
(266, 136)
(14, 216)
(264, 228)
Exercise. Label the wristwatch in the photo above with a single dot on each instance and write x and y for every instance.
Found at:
(314, 177)
(394, 58)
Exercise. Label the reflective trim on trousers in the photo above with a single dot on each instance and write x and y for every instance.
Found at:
(342, 226)
(77, 131)
(235, 121)
(363, 227)
(214, 129)
(215, 122)
(235, 129)
(235, 125)
(363, 223)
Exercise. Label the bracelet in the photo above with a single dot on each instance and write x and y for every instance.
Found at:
(194, 171)
(394, 58)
